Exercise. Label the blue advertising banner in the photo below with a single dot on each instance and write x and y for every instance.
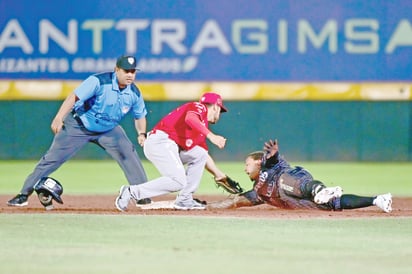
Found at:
(204, 40)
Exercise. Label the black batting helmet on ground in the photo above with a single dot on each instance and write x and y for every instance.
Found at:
(50, 186)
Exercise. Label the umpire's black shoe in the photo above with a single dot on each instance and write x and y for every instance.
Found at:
(19, 200)
(145, 201)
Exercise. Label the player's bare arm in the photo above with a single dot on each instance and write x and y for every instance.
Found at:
(65, 108)
(213, 169)
(140, 125)
(193, 120)
(217, 140)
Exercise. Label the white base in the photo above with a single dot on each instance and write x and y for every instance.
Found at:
(158, 205)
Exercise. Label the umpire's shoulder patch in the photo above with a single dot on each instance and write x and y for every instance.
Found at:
(135, 89)
(104, 77)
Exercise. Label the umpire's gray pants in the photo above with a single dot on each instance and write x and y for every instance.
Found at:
(73, 137)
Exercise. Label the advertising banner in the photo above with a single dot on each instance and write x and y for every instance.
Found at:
(208, 40)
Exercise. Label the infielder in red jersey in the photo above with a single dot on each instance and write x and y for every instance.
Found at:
(176, 141)
(279, 184)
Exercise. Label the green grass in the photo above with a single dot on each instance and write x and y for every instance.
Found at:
(172, 244)
(76, 243)
(105, 177)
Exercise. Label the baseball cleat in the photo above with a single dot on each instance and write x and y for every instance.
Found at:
(384, 202)
(20, 200)
(143, 202)
(122, 201)
(189, 205)
(326, 194)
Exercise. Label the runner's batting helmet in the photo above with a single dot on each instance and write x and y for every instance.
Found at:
(47, 186)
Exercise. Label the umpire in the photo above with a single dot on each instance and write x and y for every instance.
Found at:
(91, 114)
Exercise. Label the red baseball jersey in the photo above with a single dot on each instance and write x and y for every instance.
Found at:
(175, 124)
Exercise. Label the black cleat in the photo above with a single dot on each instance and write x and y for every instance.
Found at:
(145, 201)
(19, 200)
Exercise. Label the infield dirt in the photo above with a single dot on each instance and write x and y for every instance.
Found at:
(104, 204)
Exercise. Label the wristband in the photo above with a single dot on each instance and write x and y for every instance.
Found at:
(144, 134)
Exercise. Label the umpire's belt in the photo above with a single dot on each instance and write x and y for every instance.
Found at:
(77, 118)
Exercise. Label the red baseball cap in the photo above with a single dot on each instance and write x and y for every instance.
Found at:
(213, 98)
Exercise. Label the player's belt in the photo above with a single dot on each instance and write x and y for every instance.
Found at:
(77, 118)
(151, 132)
(154, 131)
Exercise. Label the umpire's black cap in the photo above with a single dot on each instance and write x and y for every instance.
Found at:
(126, 62)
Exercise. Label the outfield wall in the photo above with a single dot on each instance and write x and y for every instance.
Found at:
(330, 79)
(236, 91)
(306, 130)
(213, 40)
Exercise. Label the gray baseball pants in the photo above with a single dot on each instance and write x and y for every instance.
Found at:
(73, 137)
(165, 155)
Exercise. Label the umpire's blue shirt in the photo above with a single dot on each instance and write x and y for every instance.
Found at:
(102, 105)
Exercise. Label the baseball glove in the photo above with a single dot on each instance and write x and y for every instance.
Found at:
(229, 185)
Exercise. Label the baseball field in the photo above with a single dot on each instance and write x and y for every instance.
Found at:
(87, 234)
